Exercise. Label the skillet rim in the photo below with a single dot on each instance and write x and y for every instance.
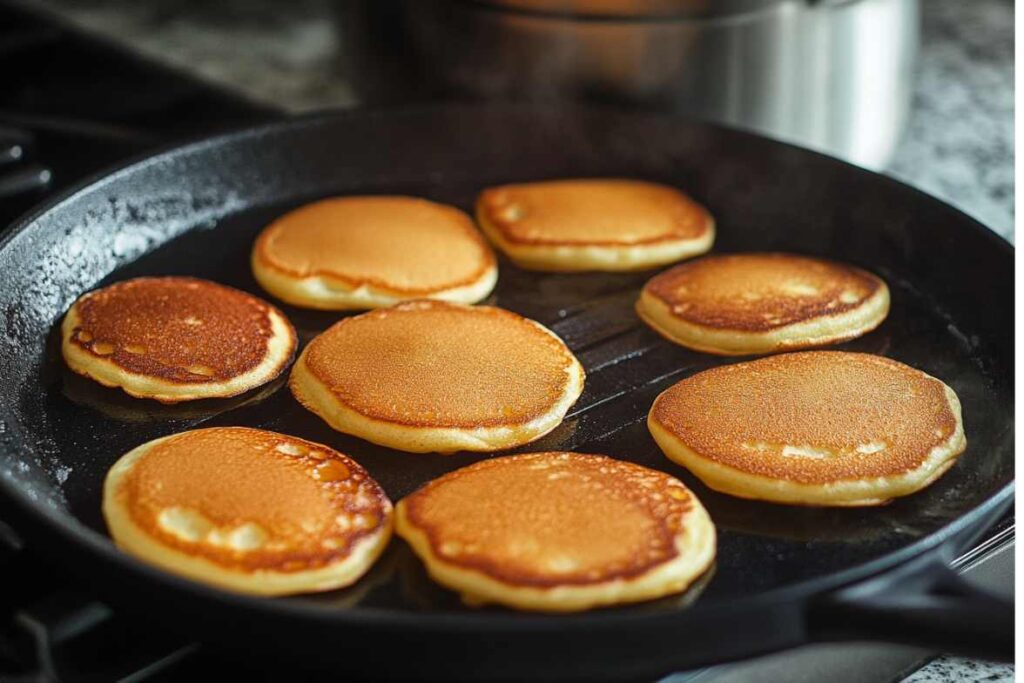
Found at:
(86, 540)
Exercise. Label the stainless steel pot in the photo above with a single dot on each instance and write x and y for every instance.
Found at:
(834, 75)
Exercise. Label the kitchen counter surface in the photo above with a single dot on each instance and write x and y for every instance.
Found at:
(959, 141)
(959, 670)
(958, 144)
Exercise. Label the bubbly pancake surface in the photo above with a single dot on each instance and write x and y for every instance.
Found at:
(761, 292)
(593, 211)
(155, 334)
(399, 246)
(523, 525)
(435, 365)
(248, 509)
(820, 419)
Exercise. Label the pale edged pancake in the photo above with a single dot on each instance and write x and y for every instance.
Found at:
(247, 510)
(594, 224)
(558, 532)
(435, 376)
(812, 428)
(176, 339)
(737, 304)
(373, 251)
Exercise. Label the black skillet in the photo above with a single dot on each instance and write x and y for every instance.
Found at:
(784, 576)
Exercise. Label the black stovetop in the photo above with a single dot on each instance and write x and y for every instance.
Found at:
(71, 105)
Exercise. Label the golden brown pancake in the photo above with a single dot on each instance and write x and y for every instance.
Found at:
(595, 224)
(248, 510)
(176, 339)
(814, 428)
(435, 376)
(734, 304)
(558, 532)
(373, 251)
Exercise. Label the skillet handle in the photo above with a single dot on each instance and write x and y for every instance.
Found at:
(923, 603)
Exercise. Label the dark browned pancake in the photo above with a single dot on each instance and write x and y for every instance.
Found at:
(761, 292)
(167, 337)
(756, 303)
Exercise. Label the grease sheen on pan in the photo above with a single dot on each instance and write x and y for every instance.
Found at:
(594, 224)
(248, 510)
(436, 376)
(735, 304)
(176, 339)
(373, 251)
(812, 428)
(558, 532)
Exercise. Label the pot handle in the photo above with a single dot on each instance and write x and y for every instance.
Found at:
(922, 602)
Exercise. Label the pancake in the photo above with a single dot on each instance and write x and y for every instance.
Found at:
(434, 376)
(737, 304)
(812, 428)
(176, 339)
(247, 510)
(596, 224)
(558, 532)
(371, 252)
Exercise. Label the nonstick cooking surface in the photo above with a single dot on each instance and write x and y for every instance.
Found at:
(763, 195)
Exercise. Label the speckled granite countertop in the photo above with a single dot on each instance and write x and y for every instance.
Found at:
(959, 141)
(959, 670)
(958, 144)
